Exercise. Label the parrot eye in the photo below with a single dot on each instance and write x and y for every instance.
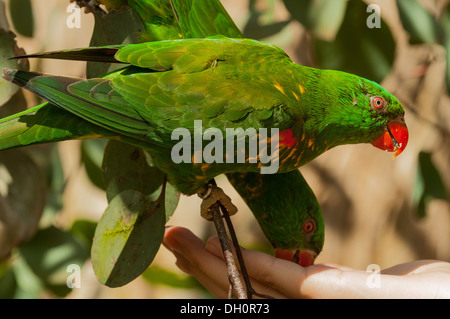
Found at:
(309, 226)
(378, 102)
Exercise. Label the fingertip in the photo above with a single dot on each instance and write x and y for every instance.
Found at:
(173, 236)
(213, 246)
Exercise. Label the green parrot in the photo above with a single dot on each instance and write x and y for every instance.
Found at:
(287, 211)
(184, 88)
(222, 82)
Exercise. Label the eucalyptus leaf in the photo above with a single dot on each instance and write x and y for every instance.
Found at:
(17, 103)
(159, 276)
(254, 30)
(55, 180)
(445, 24)
(418, 22)
(125, 167)
(84, 231)
(172, 197)
(8, 48)
(129, 167)
(8, 284)
(22, 16)
(322, 17)
(115, 27)
(127, 238)
(29, 286)
(49, 254)
(357, 48)
(256, 26)
(22, 198)
(3, 21)
(92, 151)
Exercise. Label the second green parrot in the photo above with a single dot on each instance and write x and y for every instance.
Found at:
(287, 211)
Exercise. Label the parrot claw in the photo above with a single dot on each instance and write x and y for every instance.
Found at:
(212, 194)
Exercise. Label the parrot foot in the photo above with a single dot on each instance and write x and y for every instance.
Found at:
(212, 194)
(217, 206)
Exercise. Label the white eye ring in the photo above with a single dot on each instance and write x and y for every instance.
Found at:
(378, 102)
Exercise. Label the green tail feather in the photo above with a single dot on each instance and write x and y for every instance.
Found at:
(55, 90)
(45, 123)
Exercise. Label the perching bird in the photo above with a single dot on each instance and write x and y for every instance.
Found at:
(169, 93)
(287, 211)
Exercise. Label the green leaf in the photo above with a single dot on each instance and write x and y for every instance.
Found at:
(22, 198)
(260, 25)
(358, 49)
(125, 167)
(127, 238)
(418, 22)
(445, 25)
(8, 284)
(128, 167)
(172, 198)
(8, 48)
(49, 253)
(56, 182)
(22, 16)
(17, 103)
(255, 30)
(429, 184)
(84, 230)
(29, 286)
(115, 27)
(322, 17)
(92, 151)
(159, 276)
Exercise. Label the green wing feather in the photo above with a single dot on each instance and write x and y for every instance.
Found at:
(92, 100)
(172, 83)
(203, 79)
(49, 123)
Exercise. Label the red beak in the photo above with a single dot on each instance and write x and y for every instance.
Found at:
(394, 138)
(303, 257)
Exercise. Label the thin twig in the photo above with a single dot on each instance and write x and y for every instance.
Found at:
(233, 272)
(240, 258)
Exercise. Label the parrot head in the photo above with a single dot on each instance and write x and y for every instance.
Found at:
(304, 249)
(387, 115)
(383, 115)
(358, 110)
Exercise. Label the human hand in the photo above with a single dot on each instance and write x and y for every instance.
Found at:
(284, 279)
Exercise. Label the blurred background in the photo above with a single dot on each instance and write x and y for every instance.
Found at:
(377, 210)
